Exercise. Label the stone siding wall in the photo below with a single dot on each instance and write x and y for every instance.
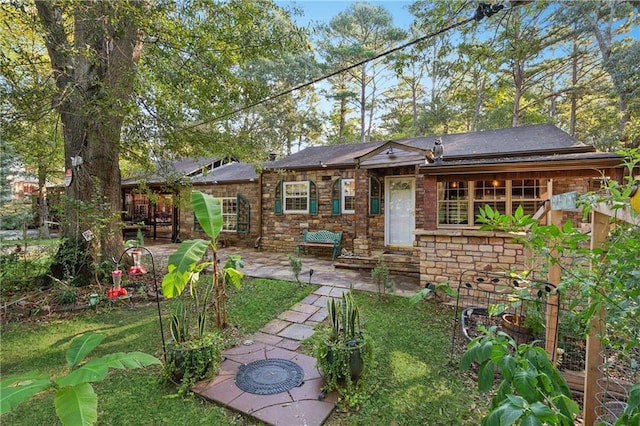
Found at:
(280, 232)
(249, 190)
(446, 254)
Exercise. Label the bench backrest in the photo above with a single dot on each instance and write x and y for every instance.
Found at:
(322, 236)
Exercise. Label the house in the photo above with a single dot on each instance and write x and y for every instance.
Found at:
(152, 203)
(414, 200)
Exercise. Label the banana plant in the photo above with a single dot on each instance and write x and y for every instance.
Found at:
(188, 261)
(76, 402)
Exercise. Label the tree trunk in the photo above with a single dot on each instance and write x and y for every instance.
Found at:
(94, 71)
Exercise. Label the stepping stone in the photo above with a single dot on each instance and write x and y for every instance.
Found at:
(305, 308)
(297, 332)
(294, 316)
(275, 326)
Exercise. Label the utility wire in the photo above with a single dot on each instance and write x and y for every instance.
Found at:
(483, 10)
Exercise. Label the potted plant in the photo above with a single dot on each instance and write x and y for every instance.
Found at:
(195, 351)
(342, 350)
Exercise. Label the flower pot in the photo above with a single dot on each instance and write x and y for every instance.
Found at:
(354, 349)
(512, 325)
(192, 361)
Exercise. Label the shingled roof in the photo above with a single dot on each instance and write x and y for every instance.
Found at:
(521, 142)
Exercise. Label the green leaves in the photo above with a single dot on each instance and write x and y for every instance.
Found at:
(208, 211)
(81, 347)
(182, 266)
(531, 391)
(19, 388)
(76, 403)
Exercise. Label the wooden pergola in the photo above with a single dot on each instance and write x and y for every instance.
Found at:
(601, 220)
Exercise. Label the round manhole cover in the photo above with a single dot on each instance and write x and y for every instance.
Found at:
(269, 376)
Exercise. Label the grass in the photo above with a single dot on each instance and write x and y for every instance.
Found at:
(411, 382)
(137, 396)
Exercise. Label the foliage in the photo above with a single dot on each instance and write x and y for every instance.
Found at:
(411, 382)
(492, 219)
(631, 414)
(431, 288)
(75, 401)
(532, 391)
(186, 264)
(524, 296)
(380, 276)
(295, 264)
(343, 351)
(191, 361)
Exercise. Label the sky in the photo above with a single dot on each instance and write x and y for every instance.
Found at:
(324, 10)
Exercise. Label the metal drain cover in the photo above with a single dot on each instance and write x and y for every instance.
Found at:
(269, 376)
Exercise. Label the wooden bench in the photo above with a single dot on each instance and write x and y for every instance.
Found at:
(321, 238)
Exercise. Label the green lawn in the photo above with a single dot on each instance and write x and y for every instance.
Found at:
(411, 382)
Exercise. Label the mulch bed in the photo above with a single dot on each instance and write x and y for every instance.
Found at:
(43, 305)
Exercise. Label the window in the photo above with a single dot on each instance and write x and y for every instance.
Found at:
(459, 202)
(296, 197)
(235, 215)
(375, 195)
(343, 199)
(348, 196)
(229, 214)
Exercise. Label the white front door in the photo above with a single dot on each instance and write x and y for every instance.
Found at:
(399, 211)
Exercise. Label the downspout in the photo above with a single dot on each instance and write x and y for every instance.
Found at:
(259, 239)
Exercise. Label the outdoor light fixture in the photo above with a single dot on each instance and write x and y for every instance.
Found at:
(390, 151)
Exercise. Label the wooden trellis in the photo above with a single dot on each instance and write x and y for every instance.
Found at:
(600, 228)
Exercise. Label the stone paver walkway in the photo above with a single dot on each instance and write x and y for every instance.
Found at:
(282, 336)
(279, 338)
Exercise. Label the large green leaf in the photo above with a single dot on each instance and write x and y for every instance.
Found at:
(234, 277)
(208, 210)
(486, 374)
(77, 405)
(82, 346)
(188, 254)
(96, 369)
(182, 266)
(19, 388)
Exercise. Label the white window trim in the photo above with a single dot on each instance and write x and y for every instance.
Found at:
(471, 201)
(343, 195)
(284, 197)
(235, 213)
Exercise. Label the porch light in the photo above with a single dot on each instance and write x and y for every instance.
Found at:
(390, 151)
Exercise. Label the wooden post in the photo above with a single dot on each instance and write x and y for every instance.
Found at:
(553, 277)
(599, 233)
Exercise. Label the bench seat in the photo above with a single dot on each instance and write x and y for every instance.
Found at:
(322, 238)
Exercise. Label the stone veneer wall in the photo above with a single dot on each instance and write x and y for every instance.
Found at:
(280, 232)
(446, 254)
(250, 190)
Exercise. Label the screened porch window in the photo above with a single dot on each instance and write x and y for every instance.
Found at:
(459, 202)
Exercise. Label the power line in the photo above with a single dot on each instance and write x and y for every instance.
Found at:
(482, 10)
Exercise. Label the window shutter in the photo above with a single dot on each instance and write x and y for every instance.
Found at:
(277, 197)
(375, 194)
(313, 198)
(335, 196)
(243, 214)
